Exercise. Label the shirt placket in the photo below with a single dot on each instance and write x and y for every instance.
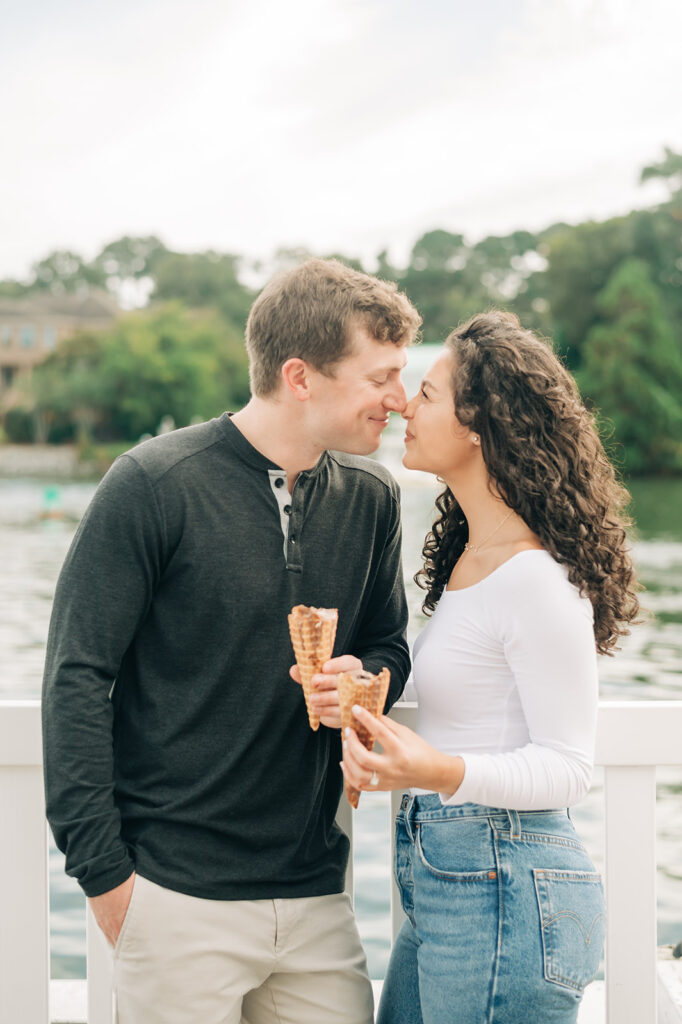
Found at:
(290, 516)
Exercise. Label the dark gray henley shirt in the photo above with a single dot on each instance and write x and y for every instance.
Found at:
(199, 768)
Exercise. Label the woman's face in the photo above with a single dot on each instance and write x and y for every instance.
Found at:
(435, 440)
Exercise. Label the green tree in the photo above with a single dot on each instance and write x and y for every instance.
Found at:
(580, 262)
(669, 169)
(120, 383)
(130, 257)
(201, 280)
(433, 278)
(65, 271)
(349, 261)
(385, 269)
(450, 280)
(632, 371)
(438, 252)
(497, 264)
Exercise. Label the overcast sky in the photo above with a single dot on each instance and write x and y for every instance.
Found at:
(339, 125)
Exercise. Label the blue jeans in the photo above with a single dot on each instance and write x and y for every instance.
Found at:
(505, 917)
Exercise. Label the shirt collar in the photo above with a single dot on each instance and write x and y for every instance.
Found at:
(245, 450)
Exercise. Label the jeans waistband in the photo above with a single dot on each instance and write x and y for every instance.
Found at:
(428, 807)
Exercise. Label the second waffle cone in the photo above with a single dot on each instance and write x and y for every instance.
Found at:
(369, 692)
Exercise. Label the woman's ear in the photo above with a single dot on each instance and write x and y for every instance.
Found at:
(295, 376)
(475, 439)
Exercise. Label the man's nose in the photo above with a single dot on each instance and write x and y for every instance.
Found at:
(396, 399)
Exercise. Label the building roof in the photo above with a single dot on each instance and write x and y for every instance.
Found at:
(91, 305)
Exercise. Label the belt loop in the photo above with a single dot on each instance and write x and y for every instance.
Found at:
(410, 808)
(514, 824)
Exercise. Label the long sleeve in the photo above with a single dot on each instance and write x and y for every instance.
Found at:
(104, 591)
(381, 639)
(549, 647)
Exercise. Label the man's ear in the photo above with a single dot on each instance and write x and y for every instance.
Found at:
(295, 376)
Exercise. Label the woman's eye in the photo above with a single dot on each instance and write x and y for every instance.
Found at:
(423, 392)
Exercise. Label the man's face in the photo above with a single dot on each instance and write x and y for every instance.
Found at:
(349, 411)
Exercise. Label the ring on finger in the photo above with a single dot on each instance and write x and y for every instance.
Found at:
(373, 779)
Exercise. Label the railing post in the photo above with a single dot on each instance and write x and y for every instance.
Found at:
(24, 927)
(630, 802)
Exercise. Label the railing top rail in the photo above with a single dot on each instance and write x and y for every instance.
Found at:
(629, 732)
(20, 733)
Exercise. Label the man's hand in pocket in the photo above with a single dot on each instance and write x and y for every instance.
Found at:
(111, 907)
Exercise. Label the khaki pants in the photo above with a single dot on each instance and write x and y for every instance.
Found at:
(183, 960)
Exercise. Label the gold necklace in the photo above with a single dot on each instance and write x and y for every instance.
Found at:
(477, 547)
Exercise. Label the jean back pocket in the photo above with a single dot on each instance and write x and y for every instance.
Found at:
(571, 905)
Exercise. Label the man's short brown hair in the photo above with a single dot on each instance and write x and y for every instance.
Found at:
(307, 313)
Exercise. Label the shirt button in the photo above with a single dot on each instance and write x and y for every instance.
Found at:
(293, 540)
(287, 510)
(279, 482)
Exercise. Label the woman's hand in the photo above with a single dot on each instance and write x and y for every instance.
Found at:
(325, 699)
(407, 760)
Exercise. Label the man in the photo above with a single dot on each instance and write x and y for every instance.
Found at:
(193, 802)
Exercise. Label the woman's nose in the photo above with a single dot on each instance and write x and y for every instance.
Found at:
(408, 411)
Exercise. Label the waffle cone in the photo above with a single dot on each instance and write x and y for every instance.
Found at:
(313, 631)
(369, 692)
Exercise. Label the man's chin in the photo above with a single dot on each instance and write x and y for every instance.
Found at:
(359, 449)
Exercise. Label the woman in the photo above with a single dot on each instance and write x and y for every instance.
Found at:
(528, 577)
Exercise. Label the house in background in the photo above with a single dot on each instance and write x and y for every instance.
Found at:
(31, 327)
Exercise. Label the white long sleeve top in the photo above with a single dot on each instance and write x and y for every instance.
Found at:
(506, 678)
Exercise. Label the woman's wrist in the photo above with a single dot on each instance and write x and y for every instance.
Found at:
(448, 774)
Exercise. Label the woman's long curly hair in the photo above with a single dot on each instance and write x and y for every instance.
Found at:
(545, 458)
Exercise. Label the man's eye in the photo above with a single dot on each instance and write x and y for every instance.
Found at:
(380, 383)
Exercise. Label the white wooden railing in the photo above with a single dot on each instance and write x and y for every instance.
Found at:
(633, 738)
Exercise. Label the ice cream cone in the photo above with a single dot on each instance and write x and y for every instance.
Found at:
(313, 631)
(369, 692)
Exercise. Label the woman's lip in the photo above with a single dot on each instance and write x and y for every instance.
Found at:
(408, 436)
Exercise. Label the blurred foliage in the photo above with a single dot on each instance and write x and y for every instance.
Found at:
(130, 257)
(168, 361)
(669, 168)
(203, 280)
(632, 370)
(608, 293)
(63, 271)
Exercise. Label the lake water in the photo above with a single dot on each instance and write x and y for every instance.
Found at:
(649, 667)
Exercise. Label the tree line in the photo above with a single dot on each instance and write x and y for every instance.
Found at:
(608, 293)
